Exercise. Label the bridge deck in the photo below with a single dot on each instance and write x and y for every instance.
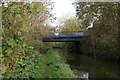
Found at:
(64, 38)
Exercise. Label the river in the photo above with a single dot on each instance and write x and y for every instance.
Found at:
(96, 68)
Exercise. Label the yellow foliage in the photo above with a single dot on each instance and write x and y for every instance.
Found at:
(4, 68)
(19, 33)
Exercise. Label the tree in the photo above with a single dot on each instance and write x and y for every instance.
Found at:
(71, 25)
(104, 17)
(22, 24)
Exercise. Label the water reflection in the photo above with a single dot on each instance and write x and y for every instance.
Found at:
(92, 68)
(85, 75)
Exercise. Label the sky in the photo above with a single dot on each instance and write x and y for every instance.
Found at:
(63, 9)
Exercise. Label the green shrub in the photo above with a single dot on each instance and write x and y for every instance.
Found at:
(18, 59)
(52, 67)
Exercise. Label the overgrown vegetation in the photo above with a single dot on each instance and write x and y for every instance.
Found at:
(52, 67)
(101, 22)
(104, 34)
(23, 26)
(23, 54)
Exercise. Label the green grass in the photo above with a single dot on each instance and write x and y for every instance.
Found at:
(43, 66)
(52, 67)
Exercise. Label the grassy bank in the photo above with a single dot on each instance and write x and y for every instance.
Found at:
(37, 65)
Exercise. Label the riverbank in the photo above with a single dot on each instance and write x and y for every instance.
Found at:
(47, 65)
(100, 51)
(95, 67)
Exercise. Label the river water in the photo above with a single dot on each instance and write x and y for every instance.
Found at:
(96, 68)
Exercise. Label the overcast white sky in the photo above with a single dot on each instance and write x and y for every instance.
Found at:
(63, 9)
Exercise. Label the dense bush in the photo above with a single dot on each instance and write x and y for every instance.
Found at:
(23, 54)
(19, 60)
(34, 65)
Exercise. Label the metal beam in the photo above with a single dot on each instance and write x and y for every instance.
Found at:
(65, 38)
(62, 40)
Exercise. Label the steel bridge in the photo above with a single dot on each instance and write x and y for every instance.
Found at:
(65, 38)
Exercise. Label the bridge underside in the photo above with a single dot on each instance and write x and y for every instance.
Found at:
(64, 38)
(61, 40)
